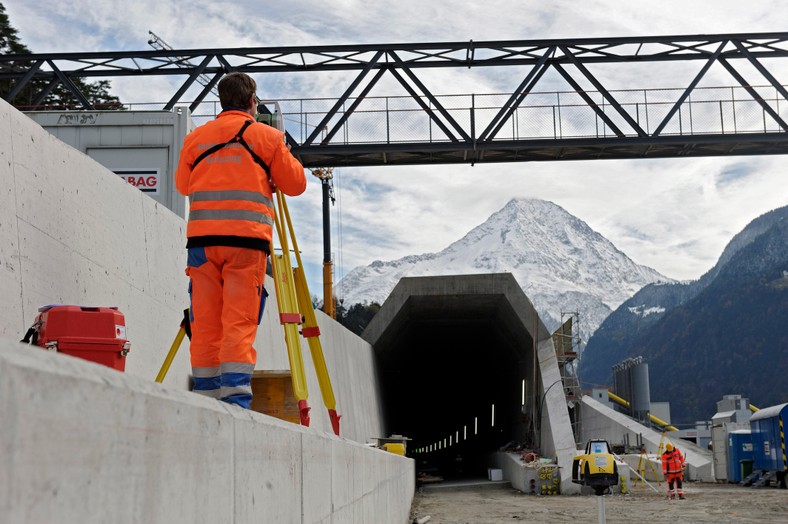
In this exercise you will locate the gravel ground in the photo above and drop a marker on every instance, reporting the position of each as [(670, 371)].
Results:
[(718, 503)]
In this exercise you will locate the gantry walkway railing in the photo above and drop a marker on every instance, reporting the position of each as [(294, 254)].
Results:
[(586, 120)]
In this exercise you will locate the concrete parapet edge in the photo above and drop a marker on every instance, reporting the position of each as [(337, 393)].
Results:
[(81, 442)]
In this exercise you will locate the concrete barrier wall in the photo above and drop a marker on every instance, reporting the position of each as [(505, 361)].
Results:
[(73, 232), (84, 443), (80, 442)]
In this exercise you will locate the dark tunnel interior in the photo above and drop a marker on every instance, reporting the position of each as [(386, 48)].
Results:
[(442, 369)]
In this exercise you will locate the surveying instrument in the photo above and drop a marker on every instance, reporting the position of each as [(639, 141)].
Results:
[(296, 313)]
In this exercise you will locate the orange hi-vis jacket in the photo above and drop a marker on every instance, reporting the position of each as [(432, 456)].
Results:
[(672, 462), (229, 192)]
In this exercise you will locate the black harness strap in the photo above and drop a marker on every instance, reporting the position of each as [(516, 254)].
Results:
[(238, 138)]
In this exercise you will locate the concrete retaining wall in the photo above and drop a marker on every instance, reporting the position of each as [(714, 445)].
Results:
[(73, 232), (80, 442), (89, 444)]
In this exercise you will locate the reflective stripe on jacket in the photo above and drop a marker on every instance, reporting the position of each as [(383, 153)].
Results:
[(229, 193), (672, 462)]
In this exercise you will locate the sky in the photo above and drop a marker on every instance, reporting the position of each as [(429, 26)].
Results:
[(674, 215)]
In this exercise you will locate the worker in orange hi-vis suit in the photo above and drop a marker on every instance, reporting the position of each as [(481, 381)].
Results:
[(229, 168), (673, 468)]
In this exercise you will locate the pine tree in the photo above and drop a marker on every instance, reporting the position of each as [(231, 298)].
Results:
[(97, 93), (358, 317)]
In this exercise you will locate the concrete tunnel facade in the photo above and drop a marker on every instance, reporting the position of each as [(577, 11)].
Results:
[(450, 348)]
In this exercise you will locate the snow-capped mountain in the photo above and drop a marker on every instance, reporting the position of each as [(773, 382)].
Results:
[(561, 264)]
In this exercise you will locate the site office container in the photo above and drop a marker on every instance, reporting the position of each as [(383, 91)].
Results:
[(768, 438), (141, 147), (739, 451)]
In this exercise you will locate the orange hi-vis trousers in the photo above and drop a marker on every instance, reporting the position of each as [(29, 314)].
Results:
[(674, 479), (227, 299)]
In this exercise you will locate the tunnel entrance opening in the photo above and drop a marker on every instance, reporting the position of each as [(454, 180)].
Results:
[(452, 380)]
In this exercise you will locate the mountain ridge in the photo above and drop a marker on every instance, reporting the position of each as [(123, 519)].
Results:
[(722, 334), (560, 262)]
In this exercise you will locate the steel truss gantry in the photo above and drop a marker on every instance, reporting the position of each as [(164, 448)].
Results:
[(588, 121)]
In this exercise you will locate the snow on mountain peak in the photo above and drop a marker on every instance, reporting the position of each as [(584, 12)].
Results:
[(560, 262)]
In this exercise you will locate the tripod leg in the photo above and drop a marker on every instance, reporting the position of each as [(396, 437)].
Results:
[(165, 367), (311, 332), (290, 319)]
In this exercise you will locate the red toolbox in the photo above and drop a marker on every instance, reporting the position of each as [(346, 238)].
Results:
[(97, 334)]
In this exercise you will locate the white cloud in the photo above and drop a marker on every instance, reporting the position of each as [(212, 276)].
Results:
[(674, 215)]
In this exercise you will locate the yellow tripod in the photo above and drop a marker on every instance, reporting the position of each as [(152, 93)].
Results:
[(293, 300), (295, 308), (184, 330), (642, 463)]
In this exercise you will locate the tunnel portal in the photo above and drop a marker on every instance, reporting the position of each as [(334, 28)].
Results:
[(455, 358)]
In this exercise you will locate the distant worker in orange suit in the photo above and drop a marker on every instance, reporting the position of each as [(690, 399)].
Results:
[(229, 169), (673, 468)]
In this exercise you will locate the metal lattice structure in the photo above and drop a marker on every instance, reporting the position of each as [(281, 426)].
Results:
[(587, 121)]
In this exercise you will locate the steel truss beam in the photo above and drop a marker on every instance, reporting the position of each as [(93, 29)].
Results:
[(624, 134)]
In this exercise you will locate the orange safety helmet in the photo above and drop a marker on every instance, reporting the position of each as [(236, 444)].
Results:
[(669, 447)]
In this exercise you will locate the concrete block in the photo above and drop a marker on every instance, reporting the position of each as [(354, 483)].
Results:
[(268, 468), (11, 320), (342, 480), (61, 277), (164, 252), (151, 326), (351, 514), (138, 454), (317, 477), (6, 151)]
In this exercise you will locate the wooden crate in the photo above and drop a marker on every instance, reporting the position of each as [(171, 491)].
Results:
[(272, 394)]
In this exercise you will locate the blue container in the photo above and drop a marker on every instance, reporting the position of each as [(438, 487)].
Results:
[(768, 438), (739, 449)]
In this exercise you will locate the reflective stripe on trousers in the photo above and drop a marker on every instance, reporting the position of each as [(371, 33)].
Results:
[(207, 381), (236, 383), (230, 382)]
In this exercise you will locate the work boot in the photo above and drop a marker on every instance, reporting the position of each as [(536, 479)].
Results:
[(682, 497)]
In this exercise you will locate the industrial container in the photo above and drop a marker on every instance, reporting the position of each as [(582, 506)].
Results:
[(141, 147), (631, 383), (739, 454), (641, 392), (768, 438), (97, 334)]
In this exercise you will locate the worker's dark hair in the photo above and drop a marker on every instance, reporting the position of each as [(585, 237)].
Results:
[(235, 90)]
